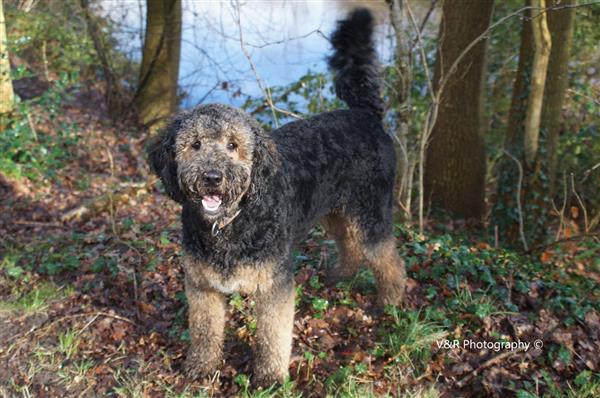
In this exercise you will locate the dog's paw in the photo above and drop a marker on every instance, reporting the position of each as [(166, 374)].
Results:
[(267, 379), (391, 295), (267, 373), (196, 367)]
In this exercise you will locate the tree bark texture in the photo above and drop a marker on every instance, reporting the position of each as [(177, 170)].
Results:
[(156, 98), (6, 88), (455, 157)]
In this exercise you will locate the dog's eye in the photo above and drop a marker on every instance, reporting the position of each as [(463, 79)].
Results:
[(231, 146), (196, 145)]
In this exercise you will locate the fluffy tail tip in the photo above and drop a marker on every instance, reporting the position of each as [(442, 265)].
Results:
[(354, 60)]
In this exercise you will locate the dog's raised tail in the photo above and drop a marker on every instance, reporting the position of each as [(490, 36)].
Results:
[(354, 61)]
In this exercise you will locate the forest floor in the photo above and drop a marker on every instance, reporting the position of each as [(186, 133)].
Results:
[(92, 301)]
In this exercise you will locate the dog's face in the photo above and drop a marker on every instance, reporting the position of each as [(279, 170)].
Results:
[(206, 157)]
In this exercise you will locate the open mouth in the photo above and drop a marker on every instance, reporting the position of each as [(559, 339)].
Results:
[(211, 203)]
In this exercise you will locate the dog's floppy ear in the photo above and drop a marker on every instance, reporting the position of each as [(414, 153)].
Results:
[(161, 154)]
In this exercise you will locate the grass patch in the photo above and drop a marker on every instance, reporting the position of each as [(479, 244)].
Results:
[(68, 342), (408, 339), (352, 387), (286, 390), (37, 299), (480, 305)]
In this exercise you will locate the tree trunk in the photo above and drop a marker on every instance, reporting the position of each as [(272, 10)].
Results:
[(561, 24), (156, 98), (455, 159), (539, 166), (115, 101), (539, 69), (6, 88)]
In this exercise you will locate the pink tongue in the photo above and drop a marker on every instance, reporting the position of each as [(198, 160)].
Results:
[(211, 199)]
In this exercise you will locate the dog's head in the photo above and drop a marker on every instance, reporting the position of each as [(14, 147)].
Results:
[(209, 157)]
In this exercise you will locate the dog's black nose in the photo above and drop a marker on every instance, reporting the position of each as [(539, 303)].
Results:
[(212, 177)]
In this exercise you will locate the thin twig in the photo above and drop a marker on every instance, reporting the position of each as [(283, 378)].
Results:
[(539, 248), (266, 91), (88, 324), (41, 327), (430, 120), (422, 52), (595, 221), (51, 224), (111, 203), (32, 127), (579, 93), (519, 206), (492, 361), (424, 21), (276, 42), (587, 173), (585, 215), (45, 61), (562, 210)]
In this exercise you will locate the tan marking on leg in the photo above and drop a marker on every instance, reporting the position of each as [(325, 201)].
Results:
[(275, 320), (346, 235), (389, 271), (206, 323)]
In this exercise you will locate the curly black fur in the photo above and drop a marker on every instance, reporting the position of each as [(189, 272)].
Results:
[(354, 60), (338, 165)]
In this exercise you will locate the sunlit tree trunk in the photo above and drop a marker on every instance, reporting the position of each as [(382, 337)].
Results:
[(156, 97), (535, 148), (455, 157), (541, 56), (6, 89)]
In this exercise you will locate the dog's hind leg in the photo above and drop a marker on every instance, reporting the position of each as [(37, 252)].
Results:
[(206, 322), (389, 271), (348, 242), (275, 321), (354, 244)]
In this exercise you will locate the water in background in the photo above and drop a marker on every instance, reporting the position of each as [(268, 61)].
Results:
[(284, 39)]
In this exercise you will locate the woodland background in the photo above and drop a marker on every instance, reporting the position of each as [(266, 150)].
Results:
[(494, 107)]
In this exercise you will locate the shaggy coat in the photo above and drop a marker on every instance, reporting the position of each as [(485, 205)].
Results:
[(248, 197)]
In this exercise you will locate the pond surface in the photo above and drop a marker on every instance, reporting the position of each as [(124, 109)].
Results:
[(284, 40)]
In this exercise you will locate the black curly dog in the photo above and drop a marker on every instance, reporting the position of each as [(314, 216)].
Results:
[(248, 197)]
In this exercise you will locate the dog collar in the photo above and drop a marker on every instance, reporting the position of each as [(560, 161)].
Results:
[(217, 226)]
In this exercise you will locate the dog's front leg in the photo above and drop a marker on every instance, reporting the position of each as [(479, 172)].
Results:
[(206, 323), (275, 321)]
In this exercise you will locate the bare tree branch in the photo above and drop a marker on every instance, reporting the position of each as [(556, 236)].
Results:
[(265, 90)]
